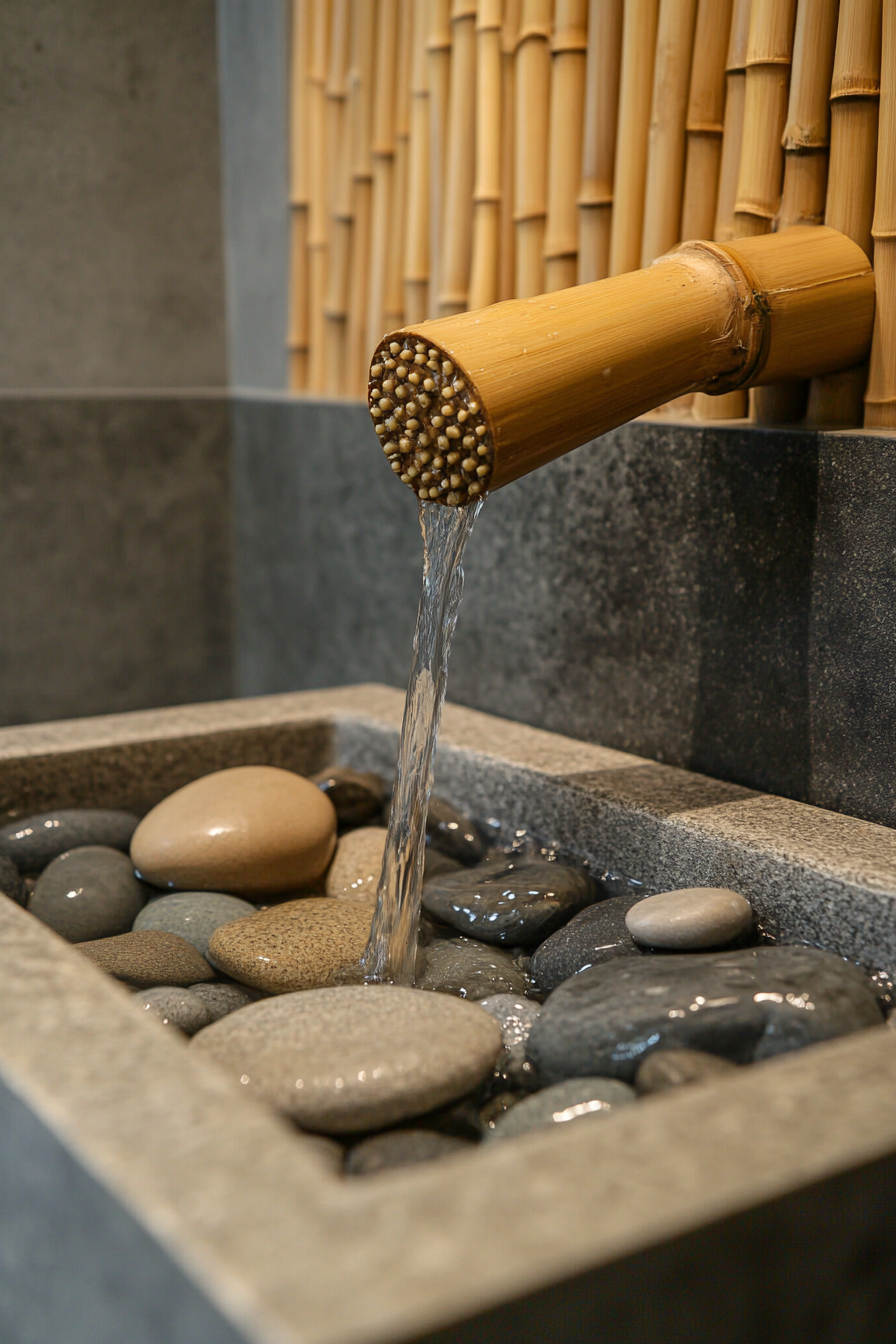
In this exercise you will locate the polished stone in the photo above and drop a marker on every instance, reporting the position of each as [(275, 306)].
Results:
[(11, 883), (298, 945), (193, 914), (356, 795), (516, 1017), (223, 999), (35, 841), (574, 1099), (402, 1148), (450, 832), (663, 1069), (149, 958), (88, 893), (354, 874), (174, 1007), (747, 1005), (469, 969), (515, 905), (356, 1058), (691, 919), (599, 933)]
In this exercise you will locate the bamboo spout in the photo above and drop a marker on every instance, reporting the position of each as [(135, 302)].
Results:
[(466, 404)]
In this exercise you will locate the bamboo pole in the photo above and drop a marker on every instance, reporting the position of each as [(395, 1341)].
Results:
[(533, 91), (569, 46), (319, 191), (335, 369), (705, 120), (382, 153), (460, 162), (484, 275), (880, 399), (635, 94), (297, 332), (394, 257), (360, 115), (769, 54), (837, 401), (666, 141), (599, 140), (507, 242), (438, 68), (416, 252)]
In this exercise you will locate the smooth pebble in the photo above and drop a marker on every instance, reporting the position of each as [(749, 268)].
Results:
[(402, 1148), (516, 1018), (11, 883), (575, 1099), (223, 999), (354, 874), (88, 893), (469, 969), (517, 905), (663, 1069), (597, 934), (174, 1007), (149, 958), (193, 914), (690, 919), (356, 796), (35, 841), (450, 832), (298, 945)]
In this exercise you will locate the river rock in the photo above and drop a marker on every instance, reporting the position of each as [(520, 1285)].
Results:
[(746, 1005), (597, 934), (436, 864), (253, 830), (690, 919), (11, 883), (193, 914), (354, 874), (88, 893), (514, 904), (676, 1068), (469, 969), (402, 1148), (498, 1105), (149, 958), (450, 832), (516, 1018), (356, 1058), (223, 999), (358, 798), (35, 841), (174, 1007), (298, 945), (573, 1099)]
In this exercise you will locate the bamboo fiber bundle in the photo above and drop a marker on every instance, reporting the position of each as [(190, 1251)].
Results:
[(666, 141), (438, 70), (568, 57), (507, 241), (599, 139), (533, 91), (297, 333), (340, 204), (704, 122), (360, 104), (880, 399), (635, 94), (382, 151), (416, 250), (394, 258), (484, 272), (855, 104), (319, 190), (769, 53), (460, 162)]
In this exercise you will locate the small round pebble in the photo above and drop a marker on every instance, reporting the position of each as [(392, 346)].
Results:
[(354, 874), (573, 1099), (452, 833), (469, 969), (149, 958), (222, 999), (11, 883), (357, 1058), (676, 1068), (298, 945), (516, 904), (402, 1148), (357, 797), (193, 914), (174, 1007), (88, 893), (35, 841), (690, 919), (516, 1018)]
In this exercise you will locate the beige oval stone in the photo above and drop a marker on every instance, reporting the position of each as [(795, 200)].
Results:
[(690, 919), (354, 874), (253, 830), (355, 1058), (297, 945)]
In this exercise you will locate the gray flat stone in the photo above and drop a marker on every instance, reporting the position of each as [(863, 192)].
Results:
[(402, 1148), (663, 1069), (516, 1017), (223, 999), (174, 1007), (469, 969), (516, 904), (574, 1099), (35, 841), (595, 935), (88, 893), (193, 915), (745, 1006), (690, 919)]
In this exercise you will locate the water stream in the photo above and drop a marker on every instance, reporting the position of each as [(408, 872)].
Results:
[(392, 949)]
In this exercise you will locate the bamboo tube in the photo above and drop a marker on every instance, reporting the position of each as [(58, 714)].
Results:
[(319, 191), (769, 53), (704, 122), (533, 91), (460, 162), (507, 242), (837, 401), (666, 140), (635, 94), (416, 252), (382, 153), (360, 113), (438, 69), (297, 332), (335, 369), (880, 398), (705, 315), (569, 46), (599, 141), (484, 275), (394, 257)]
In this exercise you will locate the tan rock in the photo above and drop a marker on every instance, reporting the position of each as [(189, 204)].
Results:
[(298, 945), (253, 830), (690, 919), (354, 874), (357, 1058), (148, 957)]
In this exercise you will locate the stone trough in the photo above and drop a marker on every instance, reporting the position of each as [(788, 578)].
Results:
[(143, 1200)]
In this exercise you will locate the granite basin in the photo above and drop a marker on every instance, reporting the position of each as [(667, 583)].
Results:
[(142, 1199)]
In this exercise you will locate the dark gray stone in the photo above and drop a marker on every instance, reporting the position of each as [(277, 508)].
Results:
[(595, 935), (453, 834), (437, 865), (574, 1099), (88, 893), (11, 883), (193, 915), (747, 1005), (469, 969), (35, 841), (179, 1008), (663, 1069), (357, 797), (402, 1148), (513, 904)]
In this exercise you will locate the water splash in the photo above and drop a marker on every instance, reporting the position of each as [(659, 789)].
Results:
[(392, 949)]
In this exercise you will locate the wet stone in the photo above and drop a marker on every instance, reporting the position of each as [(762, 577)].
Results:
[(690, 919), (469, 969), (497, 1106), (174, 1007), (596, 935), (301, 944), (354, 874), (451, 833), (745, 1006), (436, 864), (149, 958), (676, 1068), (11, 883), (354, 1059), (223, 999), (516, 1017), (88, 893), (574, 1099), (193, 914), (357, 797), (35, 841), (402, 1148), (514, 904)]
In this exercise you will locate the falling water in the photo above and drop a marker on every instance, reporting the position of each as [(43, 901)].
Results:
[(392, 949)]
